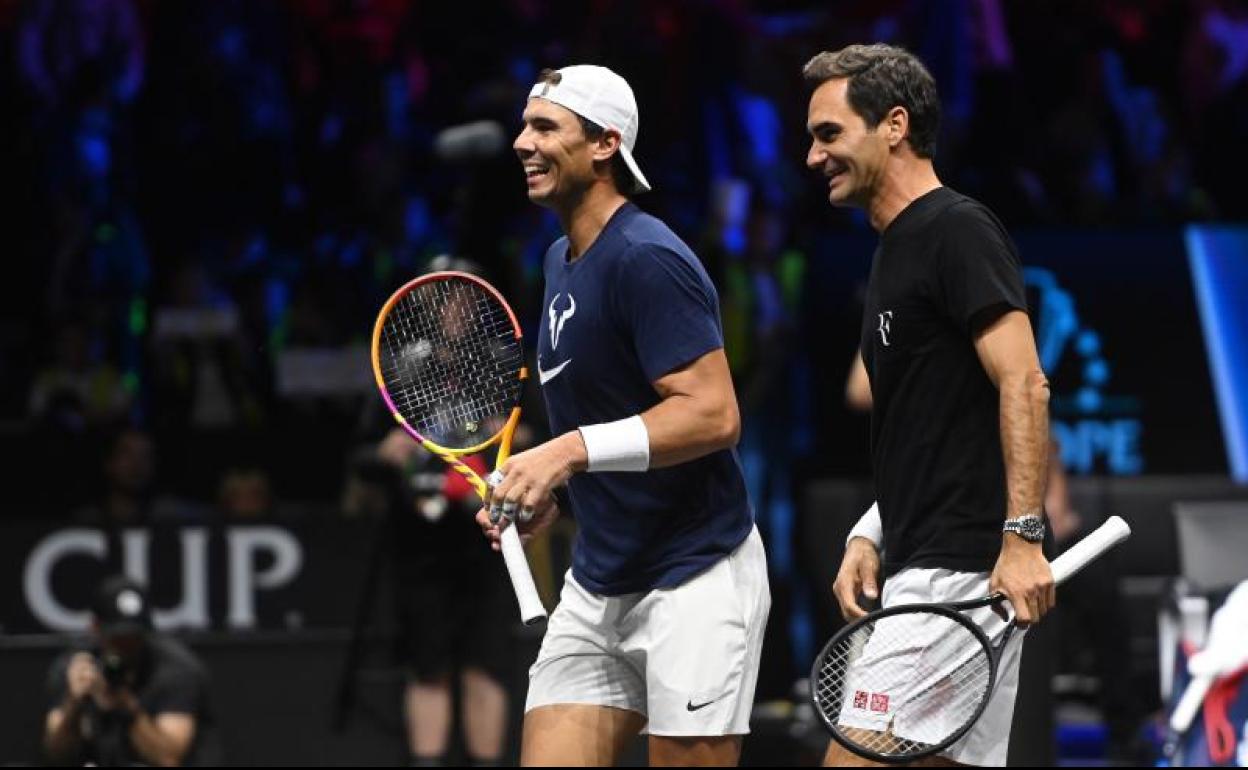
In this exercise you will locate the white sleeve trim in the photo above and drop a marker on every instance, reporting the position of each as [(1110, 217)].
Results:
[(869, 526)]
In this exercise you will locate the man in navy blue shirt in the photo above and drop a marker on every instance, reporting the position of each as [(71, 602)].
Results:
[(661, 618)]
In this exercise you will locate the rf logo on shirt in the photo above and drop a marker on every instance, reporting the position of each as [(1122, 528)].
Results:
[(886, 326)]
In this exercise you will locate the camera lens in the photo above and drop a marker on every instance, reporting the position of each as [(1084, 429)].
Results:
[(113, 668)]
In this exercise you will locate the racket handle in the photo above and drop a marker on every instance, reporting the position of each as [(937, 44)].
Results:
[(1079, 555), (531, 609), (1190, 703)]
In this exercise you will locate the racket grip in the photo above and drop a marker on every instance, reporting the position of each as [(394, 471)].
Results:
[(531, 609), (1190, 703), (1079, 555)]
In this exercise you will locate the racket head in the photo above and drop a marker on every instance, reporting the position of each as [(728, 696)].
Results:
[(904, 682), (448, 360)]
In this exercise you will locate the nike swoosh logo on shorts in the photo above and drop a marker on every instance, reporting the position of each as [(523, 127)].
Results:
[(689, 706), (550, 374)]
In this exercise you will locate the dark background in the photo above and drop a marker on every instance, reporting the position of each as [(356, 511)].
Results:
[(194, 194)]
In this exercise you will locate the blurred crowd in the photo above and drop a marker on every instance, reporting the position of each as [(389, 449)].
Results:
[(209, 200)]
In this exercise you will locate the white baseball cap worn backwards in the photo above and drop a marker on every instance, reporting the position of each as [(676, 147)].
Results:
[(603, 97)]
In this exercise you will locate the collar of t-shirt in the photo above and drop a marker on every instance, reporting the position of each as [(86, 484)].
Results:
[(616, 218), (915, 209)]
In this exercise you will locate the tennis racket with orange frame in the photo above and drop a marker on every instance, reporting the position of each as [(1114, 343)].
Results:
[(449, 362)]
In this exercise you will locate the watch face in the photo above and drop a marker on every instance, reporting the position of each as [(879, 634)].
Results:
[(1031, 528)]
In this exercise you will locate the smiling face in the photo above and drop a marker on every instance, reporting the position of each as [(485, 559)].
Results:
[(849, 153), (558, 158)]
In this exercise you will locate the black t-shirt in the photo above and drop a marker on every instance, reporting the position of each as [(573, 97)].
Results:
[(944, 269), (170, 681)]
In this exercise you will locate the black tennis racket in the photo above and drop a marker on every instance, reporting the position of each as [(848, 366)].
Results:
[(907, 682)]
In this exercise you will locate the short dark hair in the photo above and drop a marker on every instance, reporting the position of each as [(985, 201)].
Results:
[(882, 77), (623, 178), (550, 76)]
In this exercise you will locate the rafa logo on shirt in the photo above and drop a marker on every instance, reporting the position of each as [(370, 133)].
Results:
[(559, 317)]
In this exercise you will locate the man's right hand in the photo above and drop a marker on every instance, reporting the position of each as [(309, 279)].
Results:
[(83, 677), (859, 573)]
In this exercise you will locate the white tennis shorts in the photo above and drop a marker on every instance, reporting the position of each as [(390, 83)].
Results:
[(987, 742), (686, 657)]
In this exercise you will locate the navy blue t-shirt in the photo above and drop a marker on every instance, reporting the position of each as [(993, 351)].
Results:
[(636, 306)]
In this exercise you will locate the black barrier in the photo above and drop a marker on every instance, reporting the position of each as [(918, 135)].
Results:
[(272, 694)]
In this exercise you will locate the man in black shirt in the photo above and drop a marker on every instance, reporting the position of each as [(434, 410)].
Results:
[(135, 697), (959, 428)]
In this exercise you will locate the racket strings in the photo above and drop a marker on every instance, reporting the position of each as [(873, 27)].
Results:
[(450, 359), (904, 683)]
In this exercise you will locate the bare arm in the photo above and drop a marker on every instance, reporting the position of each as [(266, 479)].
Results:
[(858, 386), (696, 416), (1007, 350), (61, 738), (163, 739)]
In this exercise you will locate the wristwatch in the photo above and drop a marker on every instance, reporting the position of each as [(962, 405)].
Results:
[(1029, 527)]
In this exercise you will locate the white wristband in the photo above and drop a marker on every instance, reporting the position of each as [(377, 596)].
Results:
[(623, 445), (869, 526)]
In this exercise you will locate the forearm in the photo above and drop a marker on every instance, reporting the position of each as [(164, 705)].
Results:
[(696, 415), (1025, 441), (676, 430), (61, 739), (152, 742), (684, 428)]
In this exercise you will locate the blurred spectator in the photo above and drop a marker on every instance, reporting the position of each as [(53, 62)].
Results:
[(245, 495), (1214, 90), (131, 696), (761, 296), (81, 51), (291, 150), (204, 373), (76, 389), (82, 62), (128, 497)]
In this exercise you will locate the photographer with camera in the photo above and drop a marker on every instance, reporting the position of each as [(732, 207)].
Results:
[(133, 696)]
